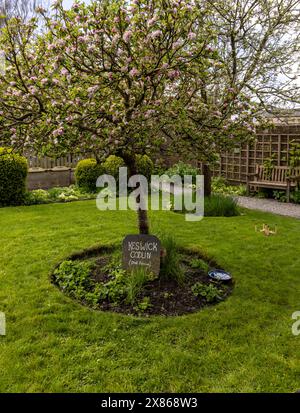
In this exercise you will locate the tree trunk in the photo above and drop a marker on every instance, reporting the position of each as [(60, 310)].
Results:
[(142, 213), (143, 221), (207, 180)]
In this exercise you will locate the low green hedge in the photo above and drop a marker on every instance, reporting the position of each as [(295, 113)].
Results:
[(112, 164), (88, 170), (86, 173), (144, 165), (13, 173)]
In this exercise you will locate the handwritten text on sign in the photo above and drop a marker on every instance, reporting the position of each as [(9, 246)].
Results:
[(141, 251)]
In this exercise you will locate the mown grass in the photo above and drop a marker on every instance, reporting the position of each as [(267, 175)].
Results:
[(53, 344)]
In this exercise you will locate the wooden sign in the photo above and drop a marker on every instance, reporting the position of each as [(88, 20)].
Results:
[(141, 251)]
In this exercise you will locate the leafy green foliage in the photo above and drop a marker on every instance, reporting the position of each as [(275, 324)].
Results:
[(57, 194), (134, 284), (112, 164), (144, 165), (74, 278), (208, 291), (69, 193), (143, 305), (37, 196), (181, 169), (295, 196), (13, 173), (114, 290), (86, 173), (280, 196), (269, 164), (220, 186), (218, 205), (170, 265), (200, 264), (294, 154)]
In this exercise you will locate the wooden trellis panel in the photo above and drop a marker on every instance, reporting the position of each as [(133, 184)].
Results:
[(235, 165)]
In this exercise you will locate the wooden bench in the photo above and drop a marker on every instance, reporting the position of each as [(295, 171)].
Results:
[(277, 177)]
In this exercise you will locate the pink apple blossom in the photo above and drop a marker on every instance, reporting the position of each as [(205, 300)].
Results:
[(134, 72), (192, 36), (64, 72), (58, 132), (173, 74), (127, 36), (155, 34)]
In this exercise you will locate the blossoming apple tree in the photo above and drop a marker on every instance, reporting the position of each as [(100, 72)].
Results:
[(115, 77), (102, 78)]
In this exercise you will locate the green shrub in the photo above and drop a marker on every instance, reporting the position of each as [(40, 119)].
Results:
[(264, 193), (74, 278), (69, 193), (56, 194), (295, 196), (114, 290), (182, 169), (13, 173), (220, 186), (112, 164), (170, 266), (207, 291), (198, 263), (280, 196), (86, 173), (144, 165), (37, 196), (143, 305), (218, 205)]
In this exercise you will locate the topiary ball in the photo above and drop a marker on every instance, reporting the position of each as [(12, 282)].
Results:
[(144, 165), (112, 164), (86, 174)]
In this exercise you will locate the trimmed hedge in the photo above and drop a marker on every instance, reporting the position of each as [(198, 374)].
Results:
[(112, 164), (86, 173), (13, 173), (144, 165), (88, 170)]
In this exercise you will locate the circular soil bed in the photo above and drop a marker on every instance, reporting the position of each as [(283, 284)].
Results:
[(94, 277)]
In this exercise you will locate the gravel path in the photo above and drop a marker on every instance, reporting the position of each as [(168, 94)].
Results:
[(270, 205)]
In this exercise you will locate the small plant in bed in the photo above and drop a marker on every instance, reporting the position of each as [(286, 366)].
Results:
[(216, 205), (97, 279), (210, 292)]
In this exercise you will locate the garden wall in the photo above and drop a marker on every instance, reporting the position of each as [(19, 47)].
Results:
[(39, 178)]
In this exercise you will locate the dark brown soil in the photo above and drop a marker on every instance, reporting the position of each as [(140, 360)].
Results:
[(166, 297)]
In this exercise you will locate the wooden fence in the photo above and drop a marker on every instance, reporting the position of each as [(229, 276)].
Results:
[(68, 161)]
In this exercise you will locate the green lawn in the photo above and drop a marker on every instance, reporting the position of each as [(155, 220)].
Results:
[(55, 345)]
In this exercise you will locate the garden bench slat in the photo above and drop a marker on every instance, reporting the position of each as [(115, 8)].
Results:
[(278, 177)]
